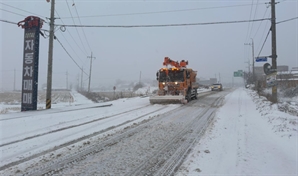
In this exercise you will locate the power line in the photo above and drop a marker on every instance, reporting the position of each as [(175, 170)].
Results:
[(287, 20), (81, 24), (164, 25), (73, 40), (264, 42), (10, 22), (261, 22), (22, 10), (70, 55), (76, 29), (159, 12), (263, 34), (254, 18), (70, 46), (13, 12), (252, 2)]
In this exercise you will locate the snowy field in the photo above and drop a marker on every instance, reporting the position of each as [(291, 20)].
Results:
[(11, 101), (249, 135)]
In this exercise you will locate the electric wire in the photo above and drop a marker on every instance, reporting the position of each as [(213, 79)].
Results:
[(264, 42), (287, 20), (261, 22), (159, 12), (22, 10), (248, 27), (163, 25), (263, 34), (269, 32), (10, 22), (72, 39), (81, 24), (70, 56), (13, 12), (76, 28), (71, 47), (254, 18)]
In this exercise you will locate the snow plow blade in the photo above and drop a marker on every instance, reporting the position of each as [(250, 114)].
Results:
[(167, 99)]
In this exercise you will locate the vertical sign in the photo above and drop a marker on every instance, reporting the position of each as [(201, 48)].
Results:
[(30, 64)]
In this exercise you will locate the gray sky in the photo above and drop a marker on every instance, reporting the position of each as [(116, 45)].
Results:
[(121, 53)]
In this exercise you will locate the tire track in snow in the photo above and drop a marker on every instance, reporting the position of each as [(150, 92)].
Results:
[(80, 139), (71, 126), (61, 163)]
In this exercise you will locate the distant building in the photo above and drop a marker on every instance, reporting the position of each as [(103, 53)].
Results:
[(259, 71), (207, 82), (288, 78), (284, 77)]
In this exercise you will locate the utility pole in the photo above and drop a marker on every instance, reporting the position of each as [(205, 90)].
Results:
[(78, 79), (140, 77), (248, 63), (14, 80), (50, 57), (253, 60), (91, 57), (274, 56), (66, 80), (82, 79)]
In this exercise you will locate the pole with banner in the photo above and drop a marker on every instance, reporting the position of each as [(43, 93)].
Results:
[(32, 26)]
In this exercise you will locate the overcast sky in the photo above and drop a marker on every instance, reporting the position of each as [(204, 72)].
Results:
[(122, 53)]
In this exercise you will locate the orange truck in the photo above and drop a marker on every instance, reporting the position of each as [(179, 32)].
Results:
[(176, 83)]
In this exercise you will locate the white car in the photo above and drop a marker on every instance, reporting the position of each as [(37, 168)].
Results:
[(216, 86)]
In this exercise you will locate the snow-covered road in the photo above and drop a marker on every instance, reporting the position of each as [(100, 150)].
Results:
[(35, 137), (232, 134)]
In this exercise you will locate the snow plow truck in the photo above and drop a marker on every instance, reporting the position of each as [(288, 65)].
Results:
[(176, 83)]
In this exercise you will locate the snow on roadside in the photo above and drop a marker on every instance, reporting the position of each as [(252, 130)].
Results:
[(282, 123), (79, 98), (61, 100), (145, 90), (247, 137)]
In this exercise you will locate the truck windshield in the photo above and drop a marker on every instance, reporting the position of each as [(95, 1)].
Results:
[(173, 76)]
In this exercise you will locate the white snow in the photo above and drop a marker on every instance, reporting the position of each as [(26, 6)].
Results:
[(249, 136)]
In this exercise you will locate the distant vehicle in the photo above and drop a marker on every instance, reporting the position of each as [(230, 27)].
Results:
[(216, 86)]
